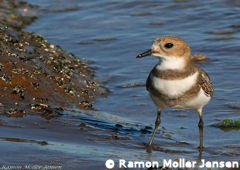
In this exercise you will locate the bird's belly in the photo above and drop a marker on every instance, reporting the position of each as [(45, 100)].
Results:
[(194, 102), (198, 101), (158, 101)]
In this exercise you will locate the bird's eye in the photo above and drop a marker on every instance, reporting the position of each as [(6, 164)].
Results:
[(168, 45)]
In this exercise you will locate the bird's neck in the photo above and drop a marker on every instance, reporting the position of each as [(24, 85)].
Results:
[(173, 63)]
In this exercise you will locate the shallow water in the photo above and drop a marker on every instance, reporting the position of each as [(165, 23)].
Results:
[(111, 33)]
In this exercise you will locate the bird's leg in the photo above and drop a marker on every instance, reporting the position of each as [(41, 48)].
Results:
[(157, 123), (200, 148), (200, 123), (200, 126)]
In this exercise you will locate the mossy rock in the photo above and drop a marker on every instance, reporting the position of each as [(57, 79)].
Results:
[(228, 124)]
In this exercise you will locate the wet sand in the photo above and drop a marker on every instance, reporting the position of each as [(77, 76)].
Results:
[(37, 76)]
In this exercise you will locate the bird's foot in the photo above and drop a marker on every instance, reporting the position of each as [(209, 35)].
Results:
[(149, 148)]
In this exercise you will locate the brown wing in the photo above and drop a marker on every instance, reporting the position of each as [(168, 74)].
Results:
[(205, 83), (148, 82)]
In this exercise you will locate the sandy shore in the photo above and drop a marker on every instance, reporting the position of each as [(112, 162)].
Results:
[(37, 77)]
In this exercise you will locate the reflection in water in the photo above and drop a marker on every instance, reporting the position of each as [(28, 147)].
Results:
[(199, 156), (23, 140), (200, 148)]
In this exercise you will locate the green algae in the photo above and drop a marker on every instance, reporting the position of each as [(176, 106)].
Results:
[(228, 124)]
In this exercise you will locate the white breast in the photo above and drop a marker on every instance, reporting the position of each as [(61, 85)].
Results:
[(174, 88)]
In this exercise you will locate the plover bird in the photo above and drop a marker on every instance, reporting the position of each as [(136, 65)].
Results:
[(176, 82)]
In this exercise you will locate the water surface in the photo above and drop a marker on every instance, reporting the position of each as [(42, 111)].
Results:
[(111, 33)]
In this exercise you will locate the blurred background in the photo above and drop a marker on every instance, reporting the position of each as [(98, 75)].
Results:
[(110, 34)]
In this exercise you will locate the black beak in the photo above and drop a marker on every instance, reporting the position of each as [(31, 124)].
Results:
[(146, 53)]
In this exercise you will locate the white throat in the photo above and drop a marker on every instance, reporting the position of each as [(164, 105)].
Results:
[(171, 63)]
